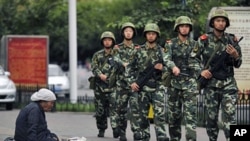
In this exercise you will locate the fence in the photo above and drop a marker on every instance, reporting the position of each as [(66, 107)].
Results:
[(86, 104), (83, 104)]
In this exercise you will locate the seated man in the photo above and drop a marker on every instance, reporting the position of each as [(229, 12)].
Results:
[(31, 122)]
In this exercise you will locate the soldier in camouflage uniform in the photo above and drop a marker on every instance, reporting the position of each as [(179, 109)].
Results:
[(151, 57), (103, 70), (221, 90), (125, 55), (185, 66)]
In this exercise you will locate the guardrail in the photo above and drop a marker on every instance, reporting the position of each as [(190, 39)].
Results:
[(86, 104)]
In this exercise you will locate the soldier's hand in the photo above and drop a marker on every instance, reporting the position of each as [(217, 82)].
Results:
[(176, 71), (158, 66), (206, 74), (134, 87), (103, 77), (232, 51)]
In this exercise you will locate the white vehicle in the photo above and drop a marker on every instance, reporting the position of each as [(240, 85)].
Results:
[(7, 90), (58, 80)]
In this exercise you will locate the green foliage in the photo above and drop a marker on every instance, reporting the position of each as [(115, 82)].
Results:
[(50, 17), (78, 107)]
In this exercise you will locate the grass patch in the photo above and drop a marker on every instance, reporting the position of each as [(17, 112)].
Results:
[(75, 107)]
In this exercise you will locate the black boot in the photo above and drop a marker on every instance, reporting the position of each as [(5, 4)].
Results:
[(163, 139), (101, 133), (123, 137), (137, 136), (116, 132)]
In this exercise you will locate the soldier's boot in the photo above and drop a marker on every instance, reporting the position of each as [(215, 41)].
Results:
[(122, 136), (116, 132), (163, 139), (138, 136), (101, 133)]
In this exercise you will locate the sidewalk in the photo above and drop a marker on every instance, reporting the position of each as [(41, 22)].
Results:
[(71, 124)]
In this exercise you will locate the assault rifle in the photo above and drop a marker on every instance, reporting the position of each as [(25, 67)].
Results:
[(146, 74), (202, 80)]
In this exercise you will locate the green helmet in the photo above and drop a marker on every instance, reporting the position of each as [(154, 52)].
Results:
[(152, 27), (107, 34), (219, 13), (183, 20), (128, 24)]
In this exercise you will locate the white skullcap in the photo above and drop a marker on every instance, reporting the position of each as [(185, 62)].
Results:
[(43, 94)]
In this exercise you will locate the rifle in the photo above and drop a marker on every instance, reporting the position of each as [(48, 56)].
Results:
[(146, 74), (202, 80)]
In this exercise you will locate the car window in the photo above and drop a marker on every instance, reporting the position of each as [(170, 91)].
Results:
[(55, 71)]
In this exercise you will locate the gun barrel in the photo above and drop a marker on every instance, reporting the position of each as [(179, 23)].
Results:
[(184, 74)]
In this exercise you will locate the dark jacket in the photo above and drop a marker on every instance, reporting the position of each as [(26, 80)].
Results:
[(31, 124)]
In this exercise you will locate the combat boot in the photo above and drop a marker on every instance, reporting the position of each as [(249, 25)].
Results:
[(101, 133), (116, 132), (163, 139), (123, 137), (137, 136)]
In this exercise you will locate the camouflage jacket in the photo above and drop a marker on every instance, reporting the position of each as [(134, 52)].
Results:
[(208, 43), (101, 65), (124, 54), (184, 55), (144, 56)]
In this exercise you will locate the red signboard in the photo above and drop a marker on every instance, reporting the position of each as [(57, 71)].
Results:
[(27, 59)]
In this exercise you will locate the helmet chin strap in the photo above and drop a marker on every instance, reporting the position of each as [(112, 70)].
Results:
[(108, 47), (128, 39)]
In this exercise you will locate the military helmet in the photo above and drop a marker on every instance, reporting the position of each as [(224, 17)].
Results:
[(183, 20), (151, 27), (219, 13), (128, 24), (107, 34)]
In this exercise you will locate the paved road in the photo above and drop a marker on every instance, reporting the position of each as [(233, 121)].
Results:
[(71, 124)]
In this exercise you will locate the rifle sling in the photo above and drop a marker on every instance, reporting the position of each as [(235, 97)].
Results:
[(212, 56)]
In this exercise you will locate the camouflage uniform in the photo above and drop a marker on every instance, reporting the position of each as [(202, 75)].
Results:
[(125, 54), (221, 90), (153, 91), (183, 88), (105, 100)]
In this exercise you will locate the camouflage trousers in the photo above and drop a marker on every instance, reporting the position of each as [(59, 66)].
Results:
[(182, 106), (126, 97), (156, 97), (214, 99), (105, 104)]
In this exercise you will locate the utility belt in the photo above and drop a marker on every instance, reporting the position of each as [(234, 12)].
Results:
[(189, 72), (151, 83), (186, 71), (222, 75), (103, 86)]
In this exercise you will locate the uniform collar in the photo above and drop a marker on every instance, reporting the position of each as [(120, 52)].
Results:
[(186, 42), (150, 48)]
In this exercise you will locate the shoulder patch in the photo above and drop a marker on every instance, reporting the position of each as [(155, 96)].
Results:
[(116, 47), (137, 46), (169, 41), (203, 37)]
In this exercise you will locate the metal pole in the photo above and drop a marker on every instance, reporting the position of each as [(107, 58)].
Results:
[(73, 50)]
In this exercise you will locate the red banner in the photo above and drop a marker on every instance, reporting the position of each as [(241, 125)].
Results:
[(27, 60)]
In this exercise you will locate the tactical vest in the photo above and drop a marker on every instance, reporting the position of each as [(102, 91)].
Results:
[(226, 69), (181, 55)]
